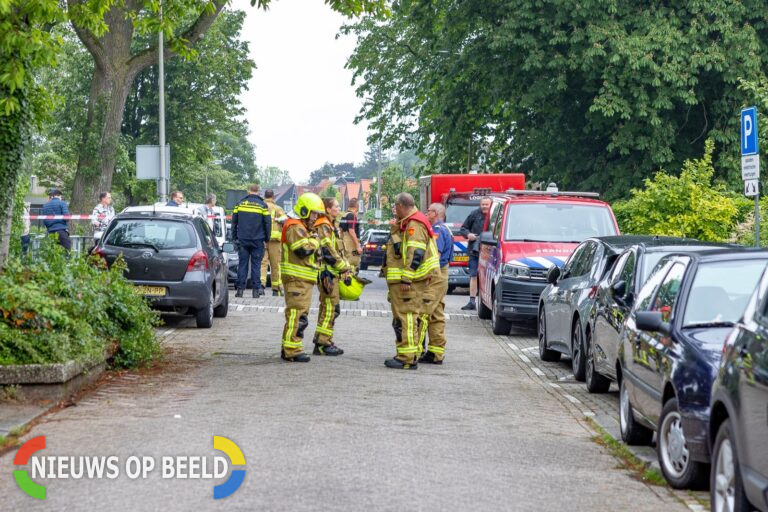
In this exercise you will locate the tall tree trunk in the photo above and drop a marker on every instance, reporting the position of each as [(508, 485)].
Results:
[(14, 133), (115, 69)]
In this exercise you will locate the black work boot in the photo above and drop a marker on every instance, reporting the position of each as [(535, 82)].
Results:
[(327, 350), (399, 365), (470, 305), (239, 292), (300, 358), (429, 357), (275, 293)]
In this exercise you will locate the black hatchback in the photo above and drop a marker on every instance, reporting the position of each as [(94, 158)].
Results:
[(615, 297), (670, 351), (173, 258), (738, 425)]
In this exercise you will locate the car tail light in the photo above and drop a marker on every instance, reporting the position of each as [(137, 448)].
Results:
[(370, 246), (198, 262), (592, 292)]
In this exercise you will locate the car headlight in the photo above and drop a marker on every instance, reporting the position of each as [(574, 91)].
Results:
[(516, 271)]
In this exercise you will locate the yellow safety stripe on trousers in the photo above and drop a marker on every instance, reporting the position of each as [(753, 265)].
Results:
[(326, 327), (305, 273), (436, 350), (287, 340), (423, 330), (275, 235)]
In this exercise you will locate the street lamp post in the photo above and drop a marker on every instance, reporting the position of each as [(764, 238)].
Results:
[(164, 173), (378, 182)]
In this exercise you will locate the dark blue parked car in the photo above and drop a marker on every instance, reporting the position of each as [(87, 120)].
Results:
[(670, 351), (738, 426)]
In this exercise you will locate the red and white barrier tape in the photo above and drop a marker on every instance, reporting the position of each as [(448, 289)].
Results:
[(84, 217)]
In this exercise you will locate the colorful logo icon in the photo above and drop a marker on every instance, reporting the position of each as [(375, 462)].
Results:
[(21, 475), (235, 456)]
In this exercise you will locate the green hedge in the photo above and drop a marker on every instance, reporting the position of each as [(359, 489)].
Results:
[(55, 308)]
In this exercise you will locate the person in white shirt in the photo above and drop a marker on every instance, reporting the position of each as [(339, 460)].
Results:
[(102, 215)]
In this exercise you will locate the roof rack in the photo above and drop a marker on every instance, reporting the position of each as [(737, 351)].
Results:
[(554, 194)]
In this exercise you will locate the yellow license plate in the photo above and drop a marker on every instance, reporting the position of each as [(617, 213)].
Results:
[(155, 291), (463, 257)]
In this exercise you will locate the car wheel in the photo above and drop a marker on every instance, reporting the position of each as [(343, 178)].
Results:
[(596, 383), (677, 465), (204, 315), (451, 288), (545, 354), (727, 488), (578, 362), (632, 432), (499, 324), (222, 309)]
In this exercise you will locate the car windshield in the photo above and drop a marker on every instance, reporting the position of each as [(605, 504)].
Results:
[(457, 213), (557, 222), (378, 238), (155, 233), (720, 291)]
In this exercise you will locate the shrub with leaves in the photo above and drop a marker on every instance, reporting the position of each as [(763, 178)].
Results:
[(57, 308), (689, 205)]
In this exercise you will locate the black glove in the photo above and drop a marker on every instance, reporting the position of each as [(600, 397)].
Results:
[(326, 281)]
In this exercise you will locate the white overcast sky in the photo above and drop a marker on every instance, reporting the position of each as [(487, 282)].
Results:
[(300, 104)]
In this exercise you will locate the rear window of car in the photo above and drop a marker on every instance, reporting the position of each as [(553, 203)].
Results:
[(720, 291), (378, 238), (161, 234), (545, 222)]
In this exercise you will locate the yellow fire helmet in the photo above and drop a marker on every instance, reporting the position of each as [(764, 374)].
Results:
[(308, 203), (352, 290)]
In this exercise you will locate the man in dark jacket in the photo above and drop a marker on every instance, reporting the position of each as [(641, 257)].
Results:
[(471, 229), (59, 227), (251, 228)]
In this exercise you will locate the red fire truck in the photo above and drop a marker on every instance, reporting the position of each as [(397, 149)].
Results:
[(461, 193)]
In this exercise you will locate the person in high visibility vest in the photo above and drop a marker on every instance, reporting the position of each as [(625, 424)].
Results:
[(333, 268), (299, 271), (412, 298), (274, 251)]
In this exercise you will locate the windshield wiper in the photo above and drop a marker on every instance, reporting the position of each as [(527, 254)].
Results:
[(142, 244), (698, 325)]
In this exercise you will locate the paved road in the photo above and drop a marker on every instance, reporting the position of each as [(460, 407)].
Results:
[(482, 432)]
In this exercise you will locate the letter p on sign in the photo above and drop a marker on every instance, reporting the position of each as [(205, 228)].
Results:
[(749, 131)]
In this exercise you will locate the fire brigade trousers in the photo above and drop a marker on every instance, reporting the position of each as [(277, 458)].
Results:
[(298, 298), (272, 257), (433, 319), (407, 310), (329, 311)]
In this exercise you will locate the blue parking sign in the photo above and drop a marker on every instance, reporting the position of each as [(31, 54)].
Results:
[(749, 131)]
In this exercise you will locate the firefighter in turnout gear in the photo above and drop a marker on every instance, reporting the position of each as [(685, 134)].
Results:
[(333, 268), (412, 298), (299, 271), (350, 235), (274, 250)]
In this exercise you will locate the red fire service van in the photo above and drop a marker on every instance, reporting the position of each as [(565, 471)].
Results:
[(526, 233), (461, 193)]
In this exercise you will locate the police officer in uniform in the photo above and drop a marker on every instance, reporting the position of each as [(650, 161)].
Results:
[(420, 264), (251, 227), (433, 322), (333, 268), (274, 250), (299, 271)]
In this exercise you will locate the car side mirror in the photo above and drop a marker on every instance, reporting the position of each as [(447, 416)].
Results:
[(553, 274), (619, 289), (228, 247), (486, 238), (652, 321)]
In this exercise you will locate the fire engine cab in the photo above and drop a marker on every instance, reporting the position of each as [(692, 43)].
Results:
[(526, 233), (461, 194)]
